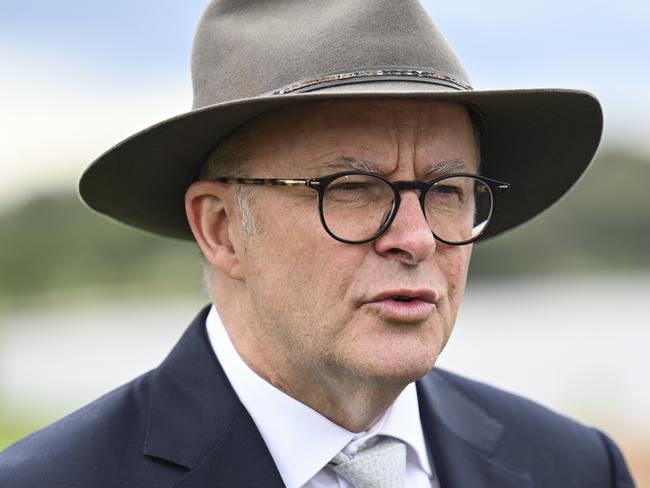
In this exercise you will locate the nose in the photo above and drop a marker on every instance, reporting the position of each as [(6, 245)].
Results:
[(409, 238)]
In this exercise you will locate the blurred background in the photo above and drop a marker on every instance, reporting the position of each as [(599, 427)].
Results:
[(558, 310)]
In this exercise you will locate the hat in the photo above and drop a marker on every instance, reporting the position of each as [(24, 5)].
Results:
[(252, 56)]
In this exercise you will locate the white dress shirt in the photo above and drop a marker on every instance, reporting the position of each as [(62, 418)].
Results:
[(302, 441)]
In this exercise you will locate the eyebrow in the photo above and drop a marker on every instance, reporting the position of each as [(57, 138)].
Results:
[(445, 167), (347, 163)]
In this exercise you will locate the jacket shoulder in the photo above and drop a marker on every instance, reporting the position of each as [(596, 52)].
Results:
[(504, 405), (102, 440), (544, 440)]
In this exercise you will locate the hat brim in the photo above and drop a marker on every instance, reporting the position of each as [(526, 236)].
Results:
[(538, 140)]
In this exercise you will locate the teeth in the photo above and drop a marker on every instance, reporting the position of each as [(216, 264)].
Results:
[(401, 298)]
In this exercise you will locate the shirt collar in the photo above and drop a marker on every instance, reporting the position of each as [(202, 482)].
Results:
[(301, 440)]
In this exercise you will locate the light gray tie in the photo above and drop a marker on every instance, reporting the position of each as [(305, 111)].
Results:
[(380, 463)]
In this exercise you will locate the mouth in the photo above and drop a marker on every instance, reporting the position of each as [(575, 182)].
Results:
[(408, 295), (405, 305), (402, 298)]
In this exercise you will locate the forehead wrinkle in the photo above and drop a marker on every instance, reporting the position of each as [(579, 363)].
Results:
[(348, 163)]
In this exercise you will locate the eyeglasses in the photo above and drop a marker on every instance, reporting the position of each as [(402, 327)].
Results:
[(357, 207)]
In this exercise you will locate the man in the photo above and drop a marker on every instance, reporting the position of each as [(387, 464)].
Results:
[(335, 173)]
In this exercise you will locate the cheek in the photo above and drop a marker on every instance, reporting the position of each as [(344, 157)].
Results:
[(324, 272), (310, 258), (454, 263), (301, 266), (300, 293)]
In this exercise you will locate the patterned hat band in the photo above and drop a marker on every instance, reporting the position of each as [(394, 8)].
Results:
[(376, 74)]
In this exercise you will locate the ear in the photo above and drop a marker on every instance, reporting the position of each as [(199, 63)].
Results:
[(209, 208)]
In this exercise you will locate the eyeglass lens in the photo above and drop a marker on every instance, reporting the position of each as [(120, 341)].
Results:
[(356, 207)]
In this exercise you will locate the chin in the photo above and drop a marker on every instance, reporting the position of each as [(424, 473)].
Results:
[(398, 357), (399, 369)]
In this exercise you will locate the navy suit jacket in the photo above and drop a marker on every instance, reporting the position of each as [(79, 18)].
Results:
[(182, 425)]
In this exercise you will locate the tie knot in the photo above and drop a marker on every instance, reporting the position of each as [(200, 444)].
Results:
[(380, 463)]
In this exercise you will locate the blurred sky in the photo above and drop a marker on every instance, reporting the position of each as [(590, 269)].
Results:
[(76, 77)]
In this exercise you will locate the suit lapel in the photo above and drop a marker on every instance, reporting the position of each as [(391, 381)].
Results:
[(239, 459), (462, 439), (197, 421)]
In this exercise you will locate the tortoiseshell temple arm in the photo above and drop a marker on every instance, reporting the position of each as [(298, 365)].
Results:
[(265, 181), (321, 183)]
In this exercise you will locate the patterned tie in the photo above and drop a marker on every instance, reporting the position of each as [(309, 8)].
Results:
[(380, 463)]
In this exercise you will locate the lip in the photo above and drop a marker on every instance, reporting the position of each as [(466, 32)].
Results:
[(419, 308), (423, 294)]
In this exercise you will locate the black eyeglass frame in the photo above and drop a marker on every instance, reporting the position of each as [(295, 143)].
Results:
[(320, 185)]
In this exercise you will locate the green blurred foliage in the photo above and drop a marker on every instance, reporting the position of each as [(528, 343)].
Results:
[(53, 243), (14, 427)]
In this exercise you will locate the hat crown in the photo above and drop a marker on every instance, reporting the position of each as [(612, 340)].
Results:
[(245, 48)]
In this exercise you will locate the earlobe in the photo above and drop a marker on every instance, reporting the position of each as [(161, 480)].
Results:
[(209, 210)]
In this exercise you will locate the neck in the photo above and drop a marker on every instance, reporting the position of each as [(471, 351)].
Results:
[(349, 401), (352, 405)]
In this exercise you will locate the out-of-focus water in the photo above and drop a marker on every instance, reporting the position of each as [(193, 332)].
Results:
[(578, 345)]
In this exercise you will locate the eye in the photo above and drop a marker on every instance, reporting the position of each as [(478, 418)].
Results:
[(361, 187), (349, 190), (443, 190), (349, 186)]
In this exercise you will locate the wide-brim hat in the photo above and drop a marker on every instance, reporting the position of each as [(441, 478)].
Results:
[(252, 56)]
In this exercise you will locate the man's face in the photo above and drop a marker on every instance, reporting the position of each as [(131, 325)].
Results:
[(323, 309)]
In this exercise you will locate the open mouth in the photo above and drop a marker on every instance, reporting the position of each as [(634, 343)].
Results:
[(401, 298), (415, 307)]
